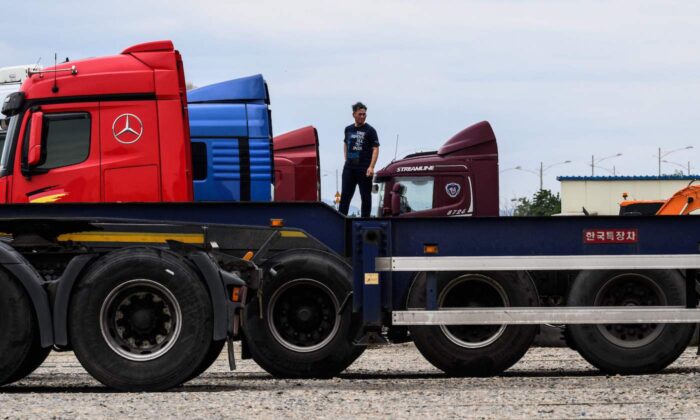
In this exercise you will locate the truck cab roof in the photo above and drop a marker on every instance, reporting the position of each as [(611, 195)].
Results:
[(143, 69), (477, 141), (251, 89)]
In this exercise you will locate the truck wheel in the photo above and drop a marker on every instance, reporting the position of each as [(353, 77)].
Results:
[(18, 330), (141, 320), (212, 354), (474, 350), (303, 333), (35, 357), (629, 348)]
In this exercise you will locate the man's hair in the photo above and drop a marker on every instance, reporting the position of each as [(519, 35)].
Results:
[(359, 106)]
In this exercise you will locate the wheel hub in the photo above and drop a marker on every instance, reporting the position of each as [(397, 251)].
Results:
[(302, 315), (140, 320), (473, 291), (630, 290)]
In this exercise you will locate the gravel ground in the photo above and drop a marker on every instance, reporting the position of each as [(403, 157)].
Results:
[(389, 381)]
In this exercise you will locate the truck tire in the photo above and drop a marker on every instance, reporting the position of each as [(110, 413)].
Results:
[(19, 330), (629, 348), (301, 333), (212, 354), (141, 320), (35, 357), (470, 350)]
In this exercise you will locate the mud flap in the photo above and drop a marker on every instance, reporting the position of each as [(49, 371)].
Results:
[(231, 355)]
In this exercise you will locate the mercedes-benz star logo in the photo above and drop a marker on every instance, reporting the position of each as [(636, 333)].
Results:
[(127, 128)]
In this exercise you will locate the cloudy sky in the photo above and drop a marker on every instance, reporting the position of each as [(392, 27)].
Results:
[(558, 80)]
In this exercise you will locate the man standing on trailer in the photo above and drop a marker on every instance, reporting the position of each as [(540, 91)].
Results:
[(361, 149)]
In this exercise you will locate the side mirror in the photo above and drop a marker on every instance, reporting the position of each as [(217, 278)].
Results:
[(375, 188), (13, 104), (397, 192), (34, 150)]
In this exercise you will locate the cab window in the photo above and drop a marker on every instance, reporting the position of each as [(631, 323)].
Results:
[(66, 140), (199, 161), (418, 195)]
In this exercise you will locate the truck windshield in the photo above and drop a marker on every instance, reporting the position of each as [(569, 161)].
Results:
[(418, 195), (7, 145)]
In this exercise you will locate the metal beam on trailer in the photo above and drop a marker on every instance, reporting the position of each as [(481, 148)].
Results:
[(527, 236), (319, 220), (549, 315), (540, 262)]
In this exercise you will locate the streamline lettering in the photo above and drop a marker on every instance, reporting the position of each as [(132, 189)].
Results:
[(416, 168)]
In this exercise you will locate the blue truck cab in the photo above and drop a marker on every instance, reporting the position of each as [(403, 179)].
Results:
[(231, 134)]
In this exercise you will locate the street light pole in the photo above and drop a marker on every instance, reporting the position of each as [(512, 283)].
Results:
[(668, 153), (542, 170), (594, 161), (680, 165)]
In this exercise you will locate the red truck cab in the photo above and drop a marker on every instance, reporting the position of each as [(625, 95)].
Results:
[(459, 179), (92, 130), (297, 167)]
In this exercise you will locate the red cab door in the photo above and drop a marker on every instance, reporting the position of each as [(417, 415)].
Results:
[(131, 151), (69, 167)]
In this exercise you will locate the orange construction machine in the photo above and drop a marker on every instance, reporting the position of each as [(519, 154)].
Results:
[(683, 202)]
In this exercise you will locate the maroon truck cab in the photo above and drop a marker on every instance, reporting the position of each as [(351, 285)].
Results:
[(297, 169), (459, 179), (106, 129)]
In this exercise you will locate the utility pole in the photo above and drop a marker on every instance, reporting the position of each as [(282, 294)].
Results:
[(541, 172)]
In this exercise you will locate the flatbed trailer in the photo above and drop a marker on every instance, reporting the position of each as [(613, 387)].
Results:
[(469, 290), (146, 294)]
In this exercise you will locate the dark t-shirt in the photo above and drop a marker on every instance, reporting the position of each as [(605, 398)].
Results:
[(359, 142)]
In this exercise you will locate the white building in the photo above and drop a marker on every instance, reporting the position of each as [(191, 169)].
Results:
[(602, 194)]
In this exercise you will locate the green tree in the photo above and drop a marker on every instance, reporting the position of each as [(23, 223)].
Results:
[(543, 203)]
